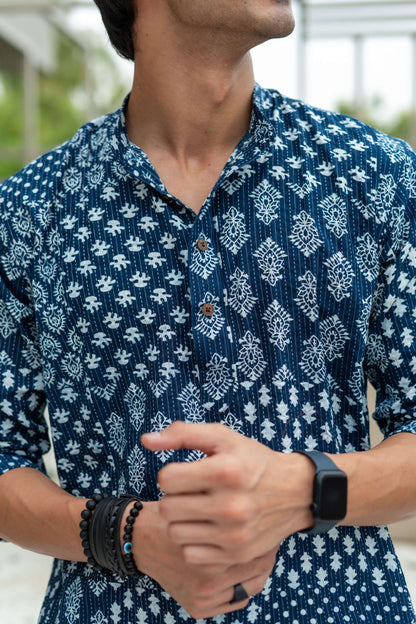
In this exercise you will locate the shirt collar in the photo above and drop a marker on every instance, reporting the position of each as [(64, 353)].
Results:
[(258, 138), (261, 126)]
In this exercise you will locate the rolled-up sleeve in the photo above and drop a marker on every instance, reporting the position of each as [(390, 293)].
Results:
[(23, 431), (390, 362)]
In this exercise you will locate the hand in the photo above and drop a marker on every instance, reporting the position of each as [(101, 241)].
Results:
[(237, 504), (203, 591)]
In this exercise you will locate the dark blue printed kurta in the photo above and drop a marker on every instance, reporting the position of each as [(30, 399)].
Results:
[(309, 270)]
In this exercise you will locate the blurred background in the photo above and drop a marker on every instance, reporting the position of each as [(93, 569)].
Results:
[(58, 70)]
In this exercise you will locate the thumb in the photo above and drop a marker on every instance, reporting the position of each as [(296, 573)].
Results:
[(210, 438)]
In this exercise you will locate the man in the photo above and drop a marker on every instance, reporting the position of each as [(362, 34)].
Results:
[(224, 268)]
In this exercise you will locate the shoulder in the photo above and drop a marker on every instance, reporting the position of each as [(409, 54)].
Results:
[(341, 133), (58, 171)]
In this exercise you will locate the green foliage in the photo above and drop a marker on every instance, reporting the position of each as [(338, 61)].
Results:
[(59, 117), (11, 124), (403, 126), (63, 101), (9, 167)]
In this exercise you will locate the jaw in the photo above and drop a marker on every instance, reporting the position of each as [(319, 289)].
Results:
[(232, 26)]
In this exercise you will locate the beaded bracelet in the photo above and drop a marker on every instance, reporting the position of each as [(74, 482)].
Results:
[(84, 525), (127, 540)]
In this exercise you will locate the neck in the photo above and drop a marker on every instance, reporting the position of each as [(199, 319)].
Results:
[(187, 102)]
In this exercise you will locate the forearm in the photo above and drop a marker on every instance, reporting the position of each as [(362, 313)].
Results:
[(381, 482), (38, 515)]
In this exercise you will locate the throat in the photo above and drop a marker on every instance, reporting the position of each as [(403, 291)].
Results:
[(192, 193), (190, 186)]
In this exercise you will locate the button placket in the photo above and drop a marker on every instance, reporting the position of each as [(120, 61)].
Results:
[(209, 326)]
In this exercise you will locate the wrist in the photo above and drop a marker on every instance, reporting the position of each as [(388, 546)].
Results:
[(140, 536), (304, 472), (291, 485), (101, 526), (74, 507)]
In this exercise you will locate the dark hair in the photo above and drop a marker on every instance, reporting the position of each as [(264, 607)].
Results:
[(118, 17)]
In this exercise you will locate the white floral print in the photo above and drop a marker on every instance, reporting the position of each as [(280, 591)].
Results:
[(270, 258), (305, 234)]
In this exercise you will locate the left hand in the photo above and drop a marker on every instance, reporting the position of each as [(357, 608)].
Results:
[(236, 504)]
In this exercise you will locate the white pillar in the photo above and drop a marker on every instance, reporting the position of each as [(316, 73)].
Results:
[(358, 75), (413, 126), (91, 111), (30, 110), (301, 50)]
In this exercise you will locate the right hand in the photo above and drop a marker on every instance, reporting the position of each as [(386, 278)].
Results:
[(202, 590)]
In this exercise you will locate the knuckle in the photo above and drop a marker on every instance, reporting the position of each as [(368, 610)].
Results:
[(241, 557), (162, 477), (231, 472), (238, 509), (258, 585), (265, 564), (177, 425), (220, 428), (204, 589), (193, 612), (164, 506), (173, 532), (239, 537)]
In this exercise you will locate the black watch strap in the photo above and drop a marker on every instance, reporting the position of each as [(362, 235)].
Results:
[(325, 466), (321, 461)]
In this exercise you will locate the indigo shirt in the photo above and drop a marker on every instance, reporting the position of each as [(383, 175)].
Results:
[(123, 311)]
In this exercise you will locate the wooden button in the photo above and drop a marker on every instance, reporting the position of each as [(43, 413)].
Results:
[(207, 309), (202, 244)]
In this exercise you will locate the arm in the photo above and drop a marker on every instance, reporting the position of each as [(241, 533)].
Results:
[(38, 515), (382, 484)]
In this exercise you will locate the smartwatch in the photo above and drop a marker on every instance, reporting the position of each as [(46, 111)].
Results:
[(330, 487)]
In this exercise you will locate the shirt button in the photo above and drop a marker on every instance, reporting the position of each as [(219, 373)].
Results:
[(207, 309), (202, 244)]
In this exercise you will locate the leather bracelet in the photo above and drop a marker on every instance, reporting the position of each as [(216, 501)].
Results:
[(100, 533)]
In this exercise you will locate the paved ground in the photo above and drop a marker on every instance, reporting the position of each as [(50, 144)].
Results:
[(23, 578)]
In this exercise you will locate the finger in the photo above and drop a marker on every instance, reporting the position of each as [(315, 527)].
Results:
[(252, 584), (182, 533), (189, 508), (223, 508), (223, 600), (209, 438), (207, 534), (206, 609), (205, 475), (210, 554)]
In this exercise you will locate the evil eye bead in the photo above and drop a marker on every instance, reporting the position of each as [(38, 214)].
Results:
[(128, 547)]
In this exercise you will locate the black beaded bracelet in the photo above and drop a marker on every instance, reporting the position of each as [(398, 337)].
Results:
[(84, 525), (127, 540)]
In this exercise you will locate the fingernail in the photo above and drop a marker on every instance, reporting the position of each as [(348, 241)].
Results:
[(155, 435)]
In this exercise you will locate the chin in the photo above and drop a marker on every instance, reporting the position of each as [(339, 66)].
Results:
[(279, 27)]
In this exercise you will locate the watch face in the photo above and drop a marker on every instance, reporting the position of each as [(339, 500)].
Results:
[(332, 503)]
